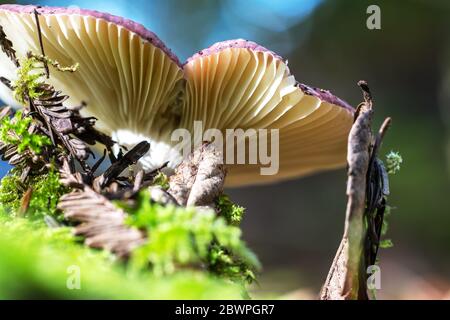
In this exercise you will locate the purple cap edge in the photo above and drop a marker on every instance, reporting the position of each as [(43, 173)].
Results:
[(325, 95), (236, 43), (130, 25)]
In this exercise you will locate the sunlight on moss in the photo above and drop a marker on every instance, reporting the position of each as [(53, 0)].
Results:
[(46, 191), (161, 180), (10, 191), (393, 162), (189, 238), (229, 210), (29, 83), (15, 131), (34, 262), (28, 80)]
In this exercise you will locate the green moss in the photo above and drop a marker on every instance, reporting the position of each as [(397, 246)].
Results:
[(15, 131), (224, 263), (29, 83), (45, 195), (386, 244), (35, 263), (161, 180), (29, 80), (180, 238), (393, 162), (232, 213), (189, 253), (10, 191), (47, 190)]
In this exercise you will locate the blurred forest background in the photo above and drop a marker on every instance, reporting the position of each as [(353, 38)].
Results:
[(295, 226)]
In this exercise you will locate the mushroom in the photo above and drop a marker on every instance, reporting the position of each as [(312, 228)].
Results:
[(139, 90)]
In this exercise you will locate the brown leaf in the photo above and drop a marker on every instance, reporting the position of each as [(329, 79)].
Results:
[(102, 223), (131, 157), (199, 179), (7, 47), (68, 178)]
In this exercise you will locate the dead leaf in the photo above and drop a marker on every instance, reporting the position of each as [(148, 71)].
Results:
[(102, 223), (199, 179)]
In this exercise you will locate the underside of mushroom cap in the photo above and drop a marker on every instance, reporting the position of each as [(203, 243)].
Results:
[(125, 71), (127, 77), (249, 87), (138, 89)]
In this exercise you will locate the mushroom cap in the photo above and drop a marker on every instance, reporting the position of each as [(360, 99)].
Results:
[(251, 87), (126, 76), (139, 90)]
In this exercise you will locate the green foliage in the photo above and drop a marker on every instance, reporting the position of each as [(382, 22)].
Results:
[(34, 262), (192, 254), (162, 180), (232, 213), (10, 193), (188, 238), (385, 226), (29, 83), (29, 80), (223, 263), (45, 195), (47, 190), (386, 244), (393, 162), (15, 131)]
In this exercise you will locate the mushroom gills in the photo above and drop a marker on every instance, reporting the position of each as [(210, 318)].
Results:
[(254, 89), (127, 82)]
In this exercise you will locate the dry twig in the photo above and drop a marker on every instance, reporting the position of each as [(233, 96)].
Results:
[(359, 245)]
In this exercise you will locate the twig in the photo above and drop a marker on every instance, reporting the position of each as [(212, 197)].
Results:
[(365, 189), (41, 43), (131, 157)]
